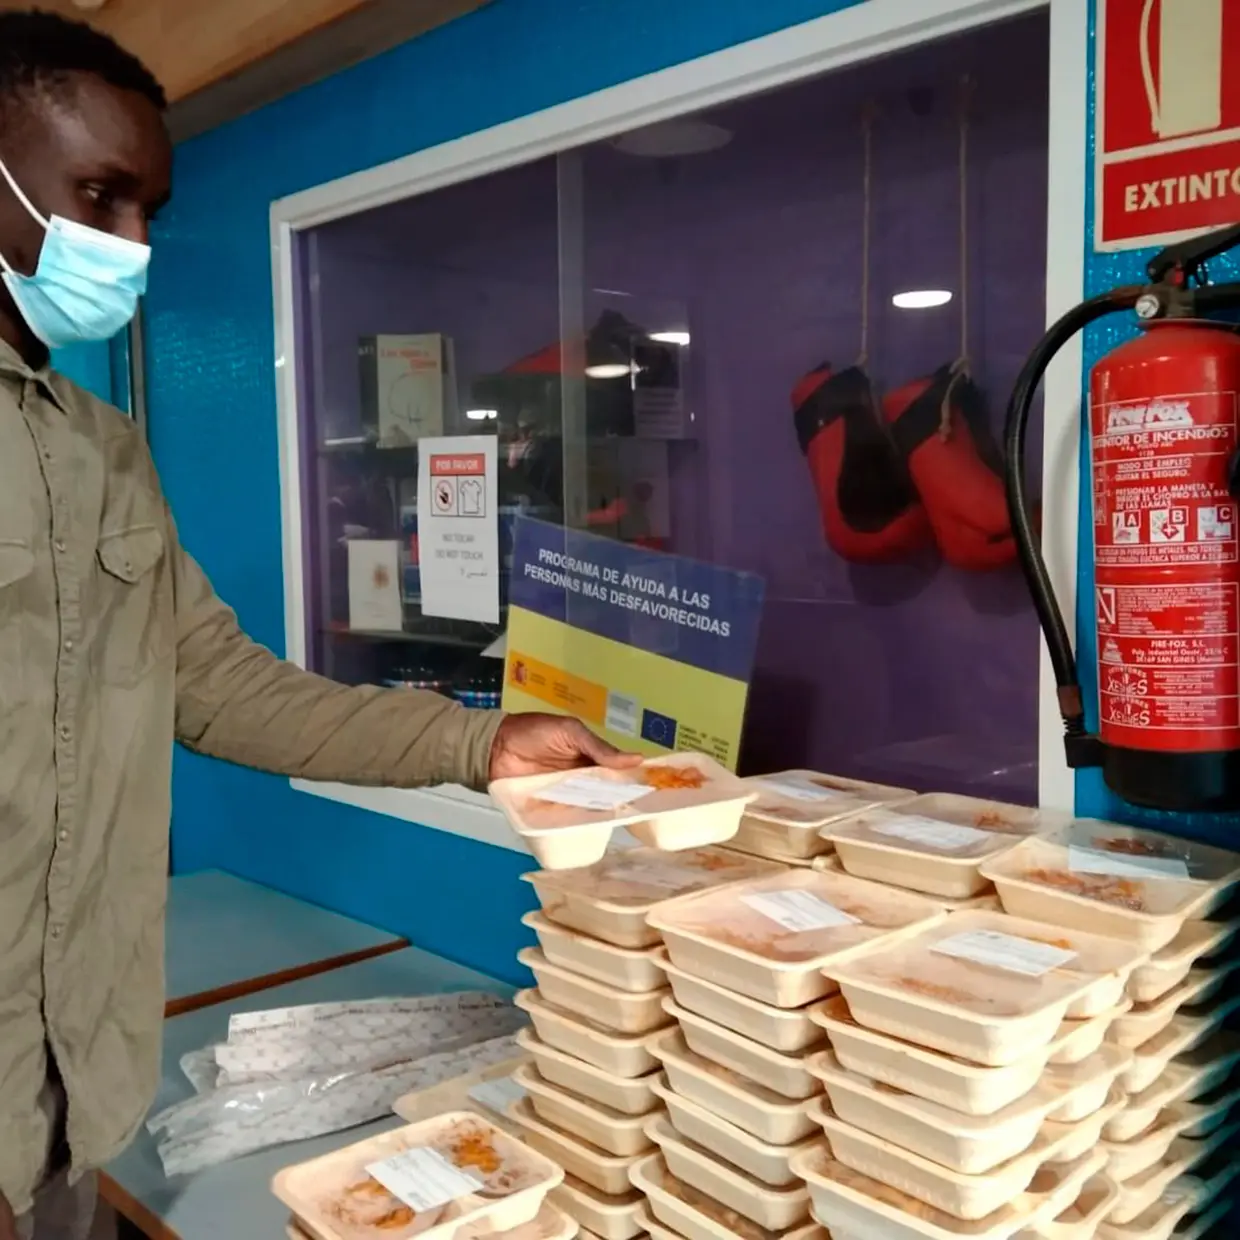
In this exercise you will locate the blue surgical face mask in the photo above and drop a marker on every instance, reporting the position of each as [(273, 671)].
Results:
[(87, 284)]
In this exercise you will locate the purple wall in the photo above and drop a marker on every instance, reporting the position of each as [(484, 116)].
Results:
[(918, 673)]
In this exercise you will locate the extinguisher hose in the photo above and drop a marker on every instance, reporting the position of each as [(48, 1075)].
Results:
[(1028, 544)]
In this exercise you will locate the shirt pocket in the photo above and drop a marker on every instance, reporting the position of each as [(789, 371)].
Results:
[(16, 565), (135, 634)]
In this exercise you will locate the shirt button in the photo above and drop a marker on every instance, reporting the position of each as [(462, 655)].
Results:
[(68, 643), (56, 931), (62, 835), (65, 731), (60, 545)]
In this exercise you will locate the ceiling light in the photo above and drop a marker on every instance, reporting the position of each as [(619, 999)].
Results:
[(672, 138), (482, 415), (680, 338), (921, 299), (610, 370)]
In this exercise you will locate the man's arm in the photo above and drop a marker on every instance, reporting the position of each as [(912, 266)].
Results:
[(239, 702)]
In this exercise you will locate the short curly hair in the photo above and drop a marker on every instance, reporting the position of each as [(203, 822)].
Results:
[(42, 52)]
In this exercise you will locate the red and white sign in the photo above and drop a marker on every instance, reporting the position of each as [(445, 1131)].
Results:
[(1168, 120)]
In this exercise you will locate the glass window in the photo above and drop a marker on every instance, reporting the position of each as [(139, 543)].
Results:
[(777, 336)]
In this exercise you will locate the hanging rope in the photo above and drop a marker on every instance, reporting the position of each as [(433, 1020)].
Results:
[(868, 114), (960, 369)]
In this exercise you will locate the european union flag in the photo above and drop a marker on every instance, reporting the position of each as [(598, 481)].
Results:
[(658, 729)]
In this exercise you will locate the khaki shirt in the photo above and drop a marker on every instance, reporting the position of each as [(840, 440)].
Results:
[(112, 643)]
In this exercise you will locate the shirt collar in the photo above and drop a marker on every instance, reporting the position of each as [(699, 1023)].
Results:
[(11, 363)]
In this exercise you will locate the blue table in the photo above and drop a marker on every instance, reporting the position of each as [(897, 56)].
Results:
[(233, 1201), (228, 937)]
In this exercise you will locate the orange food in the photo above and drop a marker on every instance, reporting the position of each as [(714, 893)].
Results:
[(935, 990), (1133, 848), (669, 778), (990, 818), (474, 1150), (368, 1204), (1124, 892)]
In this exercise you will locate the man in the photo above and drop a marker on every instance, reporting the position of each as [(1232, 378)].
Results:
[(112, 643)]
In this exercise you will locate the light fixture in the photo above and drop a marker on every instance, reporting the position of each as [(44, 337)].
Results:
[(669, 139), (680, 338), (921, 299), (482, 415), (610, 370)]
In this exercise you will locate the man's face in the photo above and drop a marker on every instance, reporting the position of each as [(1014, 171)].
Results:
[(88, 152)]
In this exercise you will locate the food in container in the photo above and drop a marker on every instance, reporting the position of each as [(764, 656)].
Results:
[(1186, 1032), (1080, 1220), (429, 1179), (628, 1095), (605, 1173), (551, 1224), (968, 1197), (770, 938), (626, 1055), (1076, 1138), (782, 1029), (609, 1218), (1170, 965), (683, 801), (622, 967), (683, 1211), (610, 899), (1147, 1020), (1193, 1076), (792, 806), (785, 1075), (618, 1134), (983, 986), (623, 1011), (1137, 1194), (933, 844), (766, 1163), (775, 1209), (856, 1207), (1126, 882), (971, 1145), (760, 1112)]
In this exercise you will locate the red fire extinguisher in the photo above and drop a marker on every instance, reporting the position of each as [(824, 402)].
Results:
[(1165, 475)]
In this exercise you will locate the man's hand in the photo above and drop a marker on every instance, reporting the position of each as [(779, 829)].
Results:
[(531, 744), (8, 1224)]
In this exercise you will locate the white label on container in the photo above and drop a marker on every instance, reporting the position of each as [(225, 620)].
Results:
[(423, 1179), (1005, 951), (497, 1095), (798, 911), (1124, 865), (587, 792), (801, 790), (931, 833)]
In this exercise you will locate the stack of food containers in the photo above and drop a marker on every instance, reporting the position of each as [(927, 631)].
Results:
[(1151, 890), (600, 987), (745, 963)]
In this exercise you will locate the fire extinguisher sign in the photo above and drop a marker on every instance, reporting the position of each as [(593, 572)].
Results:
[(1164, 524), (1167, 160)]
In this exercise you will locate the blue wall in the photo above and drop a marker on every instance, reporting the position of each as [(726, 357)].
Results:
[(212, 406), (1102, 272)]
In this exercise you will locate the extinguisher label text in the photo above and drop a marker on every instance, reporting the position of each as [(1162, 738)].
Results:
[(1160, 481)]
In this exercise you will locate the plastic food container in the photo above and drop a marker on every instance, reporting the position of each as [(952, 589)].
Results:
[(684, 801), (766, 1163), (971, 1145), (785, 1075), (1076, 1139), (1141, 1192), (1089, 1085), (1162, 1221), (1077, 1040), (551, 1224), (1170, 965), (628, 1095), (622, 967), (609, 1218), (1125, 882), (761, 1113), (855, 1207), (1147, 1020), (1196, 1075), (676, 1209), (1080, 1220), (618, 1134), (1182, 1119), (610, 900), (464, 1093), (1185, 1033), (984, 986), (968, 1197), (770, 938), (626, 1055), (932, 844), (782, 1029), (605, 1173), (775, 1209), (792, 806), (341, 1196), (623, 1011)]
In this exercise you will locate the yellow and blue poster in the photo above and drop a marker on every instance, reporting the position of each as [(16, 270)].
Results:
[(654, 651)]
